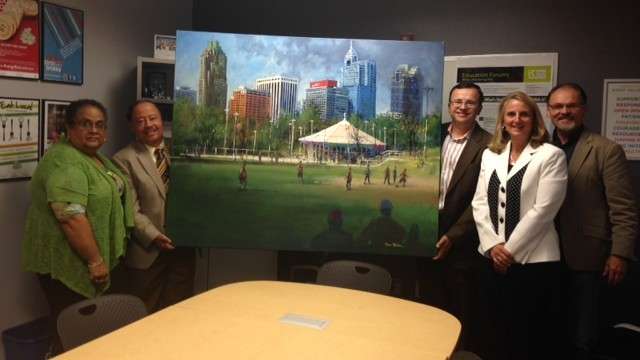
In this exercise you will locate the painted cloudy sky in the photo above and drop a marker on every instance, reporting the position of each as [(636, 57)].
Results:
[(250, 57)]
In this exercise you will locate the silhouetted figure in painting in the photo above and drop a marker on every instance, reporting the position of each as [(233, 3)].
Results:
[(383, 231), (334, 238)]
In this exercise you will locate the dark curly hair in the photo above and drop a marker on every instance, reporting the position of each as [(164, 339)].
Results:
[(74, 108)]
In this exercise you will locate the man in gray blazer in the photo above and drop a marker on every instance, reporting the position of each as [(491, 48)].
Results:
[(457, 259), (160, 274), (598, 222)]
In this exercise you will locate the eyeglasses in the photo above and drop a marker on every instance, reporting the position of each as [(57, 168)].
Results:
[(467, 104), (569, 107), (88, 125)]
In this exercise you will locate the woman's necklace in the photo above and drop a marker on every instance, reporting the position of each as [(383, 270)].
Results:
[(513, 158)]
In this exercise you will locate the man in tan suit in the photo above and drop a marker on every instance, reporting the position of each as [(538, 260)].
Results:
[(457, 258), (598, 222), (160, 274)]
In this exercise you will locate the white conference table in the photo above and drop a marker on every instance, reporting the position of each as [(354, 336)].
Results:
[(243, 321)]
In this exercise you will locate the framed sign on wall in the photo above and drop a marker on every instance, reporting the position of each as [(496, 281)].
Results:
[(621, 114), (62, 44), (19, 141), (164, 47), (53, 112), (19, 39)]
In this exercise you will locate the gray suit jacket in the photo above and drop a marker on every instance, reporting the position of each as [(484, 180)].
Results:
[(149, 195), (599, 216)]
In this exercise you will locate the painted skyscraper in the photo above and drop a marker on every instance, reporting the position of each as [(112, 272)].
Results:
[(331, 101), (406, 92), (359, 78), (251, 106), (212, 83), (284, 94)]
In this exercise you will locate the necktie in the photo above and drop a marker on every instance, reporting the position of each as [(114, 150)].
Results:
[(163, 166)]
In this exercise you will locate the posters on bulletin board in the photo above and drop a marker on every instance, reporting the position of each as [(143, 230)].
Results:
[(498, 75), (19, 39), (621, 114), (62, 44)]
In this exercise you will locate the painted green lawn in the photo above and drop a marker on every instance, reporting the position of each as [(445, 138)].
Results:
[(276, 211)]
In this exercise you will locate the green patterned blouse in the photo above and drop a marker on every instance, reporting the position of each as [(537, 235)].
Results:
[(67, 175)]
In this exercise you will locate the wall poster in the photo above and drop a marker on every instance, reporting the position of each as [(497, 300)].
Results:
[(164, 47), (498, 75), (19, 39), (294, 143), (19, 141), (621, 114), (62, 44), (52, 122)]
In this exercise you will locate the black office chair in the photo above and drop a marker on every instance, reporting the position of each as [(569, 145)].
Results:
[(355, 275), (89, 319), (303, 273), (464, 355), (619, 342)]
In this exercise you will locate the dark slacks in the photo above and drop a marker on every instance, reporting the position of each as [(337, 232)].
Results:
[(528, 302), (169, 280), (463, 289), (585, 288)]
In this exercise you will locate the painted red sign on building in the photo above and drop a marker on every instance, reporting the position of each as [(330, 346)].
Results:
[(323, 84)]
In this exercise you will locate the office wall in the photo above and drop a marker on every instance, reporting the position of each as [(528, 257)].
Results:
[(594, 41), (116, 32)]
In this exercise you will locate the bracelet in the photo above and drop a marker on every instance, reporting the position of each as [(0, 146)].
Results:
[(92, 265)]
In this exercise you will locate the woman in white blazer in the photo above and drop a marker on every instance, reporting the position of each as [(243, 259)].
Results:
[(520, 189)]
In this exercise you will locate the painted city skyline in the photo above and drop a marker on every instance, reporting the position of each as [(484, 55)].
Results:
[(289, 143), (251, 57)]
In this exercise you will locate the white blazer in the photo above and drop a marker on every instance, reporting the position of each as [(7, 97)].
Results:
[(535, 187)]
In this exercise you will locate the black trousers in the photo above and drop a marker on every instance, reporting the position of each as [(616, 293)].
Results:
[(169, 280), (528, 300), (463, 288)]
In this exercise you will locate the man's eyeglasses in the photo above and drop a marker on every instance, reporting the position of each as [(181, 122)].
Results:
[(569, 107), (88, 125), (467, 104)]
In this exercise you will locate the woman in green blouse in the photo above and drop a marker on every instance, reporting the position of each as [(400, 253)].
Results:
[(80, 213)]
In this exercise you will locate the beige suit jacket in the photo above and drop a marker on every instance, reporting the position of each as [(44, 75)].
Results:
[(599, 216), (149, 195)]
